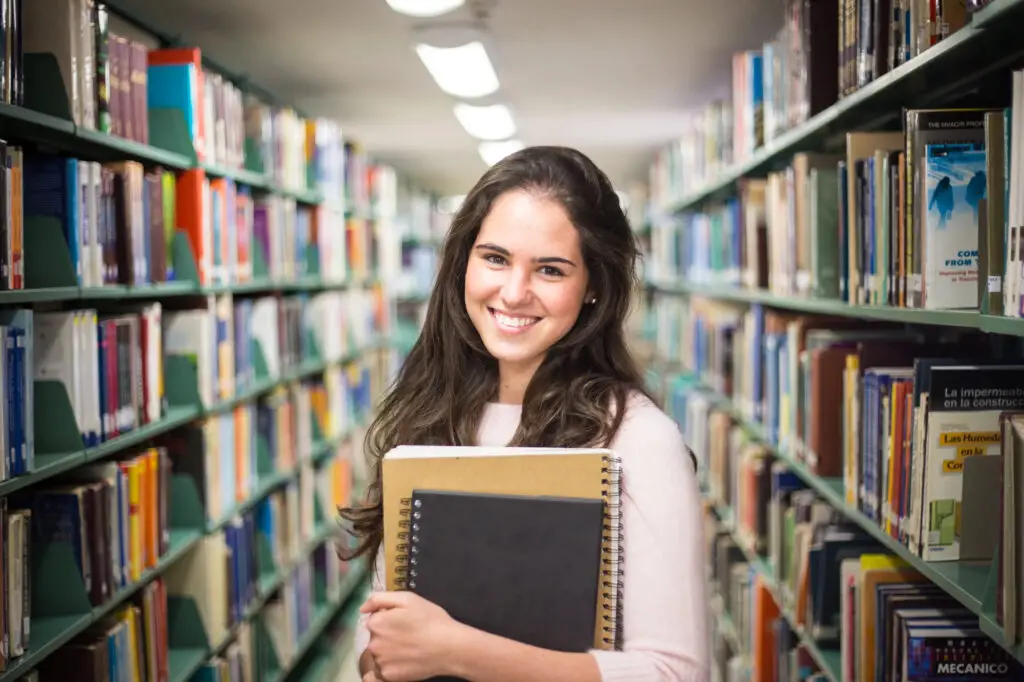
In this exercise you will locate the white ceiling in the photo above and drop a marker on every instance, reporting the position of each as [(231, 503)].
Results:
[(611, 77)]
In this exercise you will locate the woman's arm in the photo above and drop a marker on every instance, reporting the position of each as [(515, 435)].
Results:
[(665, 603), (482, 657)]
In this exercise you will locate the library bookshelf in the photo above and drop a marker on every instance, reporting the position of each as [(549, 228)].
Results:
[(197, 325), (795, 318)]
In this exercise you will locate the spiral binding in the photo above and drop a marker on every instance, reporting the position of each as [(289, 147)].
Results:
[(406, 550), (612, 554)]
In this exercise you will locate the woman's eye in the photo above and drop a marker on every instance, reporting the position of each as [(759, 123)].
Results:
[(550, 271), (494, 259)]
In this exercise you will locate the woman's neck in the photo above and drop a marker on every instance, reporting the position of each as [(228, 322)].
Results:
[(513, 380)]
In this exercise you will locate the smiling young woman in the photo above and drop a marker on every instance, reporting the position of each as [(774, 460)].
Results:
[(524, 344)]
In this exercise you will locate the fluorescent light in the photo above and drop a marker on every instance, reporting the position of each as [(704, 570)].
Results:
[(492, 122), (463, 71), (493, 152), (424, 8)]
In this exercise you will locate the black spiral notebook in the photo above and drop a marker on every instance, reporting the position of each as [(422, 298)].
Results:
[(522, 567)]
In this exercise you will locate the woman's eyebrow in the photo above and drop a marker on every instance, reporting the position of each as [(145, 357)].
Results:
[(505, 252)]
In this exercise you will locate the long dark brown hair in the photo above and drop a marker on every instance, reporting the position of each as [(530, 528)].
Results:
[(442, 388)]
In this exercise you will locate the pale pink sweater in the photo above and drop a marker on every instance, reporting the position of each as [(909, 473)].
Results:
[(665, 616)]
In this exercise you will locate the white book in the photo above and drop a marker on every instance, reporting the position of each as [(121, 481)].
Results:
[(190, 333), (93, 410), (55, 343)]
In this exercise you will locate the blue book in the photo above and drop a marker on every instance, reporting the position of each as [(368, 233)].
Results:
[(954, 184)]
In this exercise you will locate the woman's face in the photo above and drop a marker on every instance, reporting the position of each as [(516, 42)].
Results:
[(525, 280)]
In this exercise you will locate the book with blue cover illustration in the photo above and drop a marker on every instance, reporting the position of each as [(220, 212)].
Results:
[(954, 184)]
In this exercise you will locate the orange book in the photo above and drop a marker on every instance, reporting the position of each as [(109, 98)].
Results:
[(241, 453), (766, 611), (192, 194)]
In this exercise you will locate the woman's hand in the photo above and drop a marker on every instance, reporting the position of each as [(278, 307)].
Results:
[(411, 638)]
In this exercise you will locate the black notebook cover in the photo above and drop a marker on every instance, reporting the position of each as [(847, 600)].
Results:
[(522, 567)]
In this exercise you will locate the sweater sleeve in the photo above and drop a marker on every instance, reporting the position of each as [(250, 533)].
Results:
[(665, 607)]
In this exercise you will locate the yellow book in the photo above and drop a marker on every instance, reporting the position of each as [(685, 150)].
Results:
[(851, 423), (135, 554)]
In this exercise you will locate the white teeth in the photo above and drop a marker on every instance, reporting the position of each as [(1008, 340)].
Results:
[(514, 321)]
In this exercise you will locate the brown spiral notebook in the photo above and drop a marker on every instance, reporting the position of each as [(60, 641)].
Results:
[(583, 474)]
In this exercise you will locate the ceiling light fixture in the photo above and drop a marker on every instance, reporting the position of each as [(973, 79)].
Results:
[(463, 71), (424, 8), (493, 152), (493, 122)]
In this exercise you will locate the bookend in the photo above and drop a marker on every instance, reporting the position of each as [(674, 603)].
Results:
[(268, 568), (48, 262), (183, 260), (268, 661), (59, 597), (253, 162), (316, 432), (320, 597), (169, 131), (266, 467), (181, 382), (312, 347), (311, 179), (185, 627), (260, 269), (58, 437), (312, 261), (259, 363), (187, 510), (320, 519), (987, 618), (45, 91)]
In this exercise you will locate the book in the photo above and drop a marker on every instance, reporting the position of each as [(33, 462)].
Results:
[(520, 566), (580, 473)]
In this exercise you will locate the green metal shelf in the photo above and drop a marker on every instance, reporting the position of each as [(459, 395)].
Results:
[(240, 175), (989, 43), (993, 324), (46, 119), (173, 289)]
